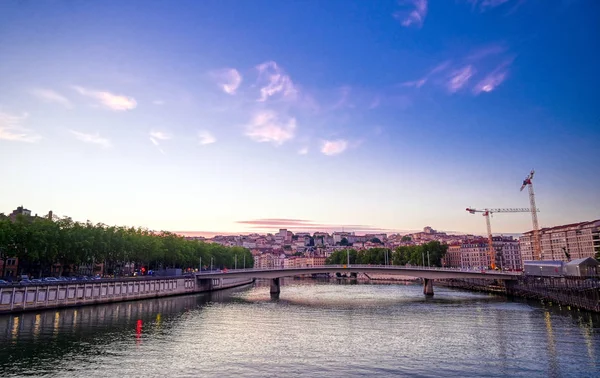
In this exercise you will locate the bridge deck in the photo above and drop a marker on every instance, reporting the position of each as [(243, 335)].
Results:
[(417, 272)]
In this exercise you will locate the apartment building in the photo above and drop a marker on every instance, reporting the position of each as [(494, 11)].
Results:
[(561, 243)]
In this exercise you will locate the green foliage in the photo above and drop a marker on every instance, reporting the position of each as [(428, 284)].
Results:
[(39, 243), (403, 255), (376, 240), (415, 254), (344, 242), (369, 256), (406, 238)]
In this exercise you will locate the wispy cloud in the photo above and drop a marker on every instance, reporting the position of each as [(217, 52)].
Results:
[(274, 81), (109, 100), (228, 79), (11, 129), (344, 98), (307, 225), (484, 5), (484, 52), (205, 137), (48, 95), (415, 83), (492, 80), (160, 135), (303, 151), (158, 102), (92, 138), (435, 70), (416, 16), (267, 126), (460, 78), (334, 147), (156, 136)]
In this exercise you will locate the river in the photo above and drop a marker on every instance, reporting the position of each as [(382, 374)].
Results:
[(314, 328)]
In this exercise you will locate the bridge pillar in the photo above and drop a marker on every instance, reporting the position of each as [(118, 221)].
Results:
[(427, 286), (275, 286)]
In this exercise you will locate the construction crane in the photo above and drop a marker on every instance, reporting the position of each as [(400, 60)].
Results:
[(537, 247), (486, 214)]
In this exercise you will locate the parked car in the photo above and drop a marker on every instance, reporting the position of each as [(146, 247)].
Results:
[(2, 282), (50, 279), (37, 280), (25, 281)]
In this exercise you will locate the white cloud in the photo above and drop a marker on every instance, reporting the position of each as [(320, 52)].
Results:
[(303, 151), (334, 147), (12, 130), (228, 79), (160, 135), (275, 81), (205, 137), (109, 100), (48, 95), (460, 78), (91, 138), (266, 126), (416, 16), (158, 102)]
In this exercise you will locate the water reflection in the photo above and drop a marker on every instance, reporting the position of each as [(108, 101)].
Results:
[(333, 328)]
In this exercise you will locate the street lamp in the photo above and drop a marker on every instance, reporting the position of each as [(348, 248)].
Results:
[(428, 264), (211, 263), (235, 264)]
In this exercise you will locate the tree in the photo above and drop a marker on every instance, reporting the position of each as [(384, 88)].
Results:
[(376, 240), (344, 242), (406, 238)]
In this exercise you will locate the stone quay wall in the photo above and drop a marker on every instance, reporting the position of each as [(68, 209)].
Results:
[(17, 298)]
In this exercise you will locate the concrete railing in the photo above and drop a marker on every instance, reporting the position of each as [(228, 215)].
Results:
[(74, 293)]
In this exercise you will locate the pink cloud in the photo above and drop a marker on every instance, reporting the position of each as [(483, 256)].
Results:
[(334, 147), (460, 78), (228, 79), (267, 126), (416, 16), (275, 81), (492, 80), (306, 225)]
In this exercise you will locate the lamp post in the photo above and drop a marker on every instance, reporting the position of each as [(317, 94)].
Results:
[(423, 256), (200, 269), (348, 256), (211, 263), (244, 261), (235, 264), (428, 263)]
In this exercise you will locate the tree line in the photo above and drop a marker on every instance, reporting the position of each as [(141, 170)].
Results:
[(429, 254), (41, 243)]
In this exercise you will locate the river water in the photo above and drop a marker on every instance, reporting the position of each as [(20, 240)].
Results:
[(325, 328)]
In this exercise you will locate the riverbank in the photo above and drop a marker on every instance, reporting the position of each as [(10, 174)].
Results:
[(68, 294), (575, 292)]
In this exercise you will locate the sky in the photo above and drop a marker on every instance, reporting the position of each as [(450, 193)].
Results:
[(247, 116)]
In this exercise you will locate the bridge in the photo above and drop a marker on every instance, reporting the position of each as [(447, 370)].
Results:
[(428, 274)]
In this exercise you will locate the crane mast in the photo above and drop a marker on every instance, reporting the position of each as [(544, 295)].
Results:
[(537, 246), (486, 213)]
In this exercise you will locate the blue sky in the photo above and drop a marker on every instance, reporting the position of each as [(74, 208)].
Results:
[(235, 116)]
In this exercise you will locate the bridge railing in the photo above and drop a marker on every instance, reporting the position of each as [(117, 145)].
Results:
[(359, 266)]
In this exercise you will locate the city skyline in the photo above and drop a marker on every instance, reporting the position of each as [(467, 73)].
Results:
[(202, 118)]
